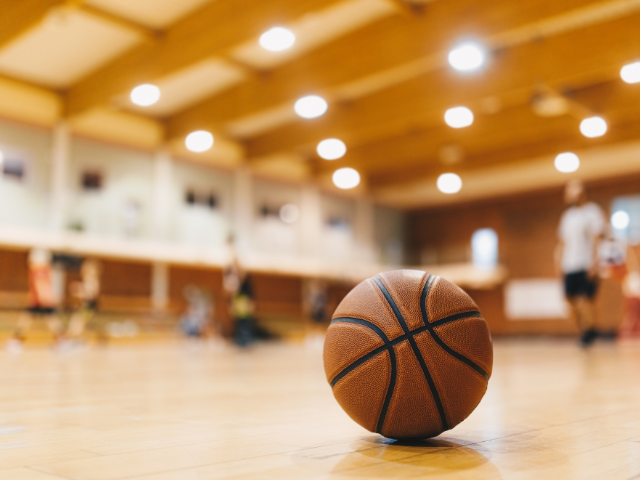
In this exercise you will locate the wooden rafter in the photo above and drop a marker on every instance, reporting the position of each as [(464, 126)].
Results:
[(148, 34), (561, 61), (515, 134), (390, 43), (16, 17), (210, 31)]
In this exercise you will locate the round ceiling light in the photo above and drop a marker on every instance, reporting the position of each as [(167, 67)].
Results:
[(277, 39), (567, 162), (593, 127), (346, 178), (631, 73), (458, 117), (199, 141), (332, 149), (311, 106), (145, 95), (620, 220), (449, 183), (467, 57)]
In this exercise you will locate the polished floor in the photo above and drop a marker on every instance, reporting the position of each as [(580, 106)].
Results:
[(170, 411)]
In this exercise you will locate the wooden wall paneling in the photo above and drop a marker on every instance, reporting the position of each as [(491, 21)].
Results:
[(209, 280), (14, 271), (527, 230)]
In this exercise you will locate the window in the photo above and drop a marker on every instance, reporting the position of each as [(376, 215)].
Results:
[(91, 181), (193, 197), (625, 218), (13, 168), (484, 248)]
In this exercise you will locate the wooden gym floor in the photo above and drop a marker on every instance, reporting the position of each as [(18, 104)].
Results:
[(170, 412)]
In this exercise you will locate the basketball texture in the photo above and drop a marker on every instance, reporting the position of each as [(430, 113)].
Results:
[(408, 354)]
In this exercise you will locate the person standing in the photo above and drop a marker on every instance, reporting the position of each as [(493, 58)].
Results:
[(87, 293), (42, 301), (581, 230)]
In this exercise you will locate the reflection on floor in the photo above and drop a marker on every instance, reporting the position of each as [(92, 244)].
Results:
[(171, 411)]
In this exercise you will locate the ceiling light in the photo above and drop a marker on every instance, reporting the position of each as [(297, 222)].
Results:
[(593, 127), (458, 117), (289, 213), (620, 220), (311, 106), (199, 141), (449, 183), (145, 95), (346, 178), (331, 149), (467, 57), (567, 162), (631, 73), (277, 39)]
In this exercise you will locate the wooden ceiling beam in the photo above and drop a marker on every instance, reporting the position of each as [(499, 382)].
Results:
[(568, 61), (510, 136), (211, 31), (19, 16), (148, 34), (520, 154), (390, 47)]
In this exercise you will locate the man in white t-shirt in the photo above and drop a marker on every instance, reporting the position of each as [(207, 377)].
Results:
[(581, 229)]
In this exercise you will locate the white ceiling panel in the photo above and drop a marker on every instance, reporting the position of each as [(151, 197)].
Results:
[(188, 86), (316, 29), (157, 14), (68, 45)]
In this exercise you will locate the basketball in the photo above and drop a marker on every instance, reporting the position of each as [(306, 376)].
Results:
[(408, 354)]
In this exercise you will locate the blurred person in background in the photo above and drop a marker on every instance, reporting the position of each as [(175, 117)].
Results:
[(316, 307), (42, 301), (580, 233), (196, 321), (86, 292), (619, 262), (239, 289)]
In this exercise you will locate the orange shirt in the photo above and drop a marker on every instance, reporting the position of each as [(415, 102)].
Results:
[(41, 287)]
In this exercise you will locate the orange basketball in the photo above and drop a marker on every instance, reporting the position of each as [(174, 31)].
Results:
[(408, 354)]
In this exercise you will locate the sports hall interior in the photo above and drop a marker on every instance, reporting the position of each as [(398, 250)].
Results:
[(218, 160)]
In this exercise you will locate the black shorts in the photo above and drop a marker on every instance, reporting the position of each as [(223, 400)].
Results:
[(578, 284), (42, 311)]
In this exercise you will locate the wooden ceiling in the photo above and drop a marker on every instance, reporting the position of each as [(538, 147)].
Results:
[(381, 65)]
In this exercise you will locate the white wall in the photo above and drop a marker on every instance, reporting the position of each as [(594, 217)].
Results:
[(127, 180), (331, 229), (197, 224), (270, 234), (25, 203)]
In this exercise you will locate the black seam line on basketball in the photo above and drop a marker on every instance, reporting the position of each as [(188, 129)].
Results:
[(459, 356), (416, 352), (439, 341), (392, 356), (372, 353)]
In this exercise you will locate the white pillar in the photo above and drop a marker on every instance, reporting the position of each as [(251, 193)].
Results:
[(59, 174), (364, 230), (162, 189), (311, 221), (242, 209), (159, 286)]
